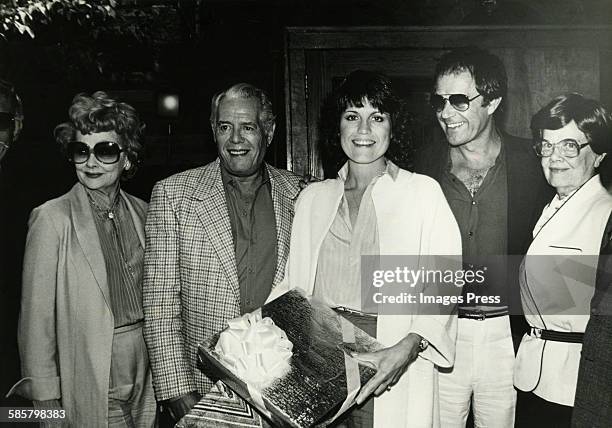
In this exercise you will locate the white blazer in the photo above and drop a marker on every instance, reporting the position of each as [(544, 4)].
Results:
[(556, 292), (413, 218)]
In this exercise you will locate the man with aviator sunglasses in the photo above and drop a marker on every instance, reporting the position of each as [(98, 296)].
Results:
[(495, 188)]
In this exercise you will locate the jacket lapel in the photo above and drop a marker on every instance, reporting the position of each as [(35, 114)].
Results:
[(87, 235), (211, 209), (283, 198)]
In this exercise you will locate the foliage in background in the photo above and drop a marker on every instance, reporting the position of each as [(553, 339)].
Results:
[(78, 41), (91, 18), (24, 16)]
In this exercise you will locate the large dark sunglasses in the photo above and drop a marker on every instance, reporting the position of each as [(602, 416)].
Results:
[(6, 120), (107, 152), (460, 102)]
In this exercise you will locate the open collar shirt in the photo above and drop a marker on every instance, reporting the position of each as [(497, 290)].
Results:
[(338, 278), (251, 212), (483, 222)]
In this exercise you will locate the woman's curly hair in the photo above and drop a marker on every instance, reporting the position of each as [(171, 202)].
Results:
[(100, 113), (377, 89)]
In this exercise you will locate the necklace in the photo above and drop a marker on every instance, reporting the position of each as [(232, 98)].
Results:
[(107, 212)]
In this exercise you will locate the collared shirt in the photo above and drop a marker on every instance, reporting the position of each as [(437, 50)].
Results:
[(123, 255), (338, 277), (251, 213), (483, 222)]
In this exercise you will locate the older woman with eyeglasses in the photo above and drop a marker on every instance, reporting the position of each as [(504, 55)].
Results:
[(559, 273), (80, 327)]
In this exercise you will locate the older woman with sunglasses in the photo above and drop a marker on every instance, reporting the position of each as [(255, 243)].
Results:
[(560, 272), (80, 327)]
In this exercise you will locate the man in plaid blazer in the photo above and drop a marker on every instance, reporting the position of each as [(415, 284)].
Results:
[(217, 239)]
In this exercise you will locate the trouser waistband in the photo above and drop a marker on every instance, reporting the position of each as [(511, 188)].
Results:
[(130, 327), (480, 315)]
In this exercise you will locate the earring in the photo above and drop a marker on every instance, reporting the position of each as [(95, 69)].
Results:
[(127, 164)]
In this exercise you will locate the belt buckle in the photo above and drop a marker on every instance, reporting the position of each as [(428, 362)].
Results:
[(347, 310), (478, 315), (536, 332)]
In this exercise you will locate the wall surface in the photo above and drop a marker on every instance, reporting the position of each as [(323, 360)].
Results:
[(541, 62)]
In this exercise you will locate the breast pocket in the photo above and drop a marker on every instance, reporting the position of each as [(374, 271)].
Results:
[(565, 249)]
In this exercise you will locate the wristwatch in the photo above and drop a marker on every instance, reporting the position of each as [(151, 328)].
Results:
[(423, 344)]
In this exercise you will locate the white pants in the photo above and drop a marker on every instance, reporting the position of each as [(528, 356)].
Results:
[(484, 363)]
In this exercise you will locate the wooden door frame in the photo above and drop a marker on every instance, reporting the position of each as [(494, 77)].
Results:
[(303, 47)]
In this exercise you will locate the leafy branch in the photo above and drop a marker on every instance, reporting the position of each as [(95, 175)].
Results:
[(22, 16)]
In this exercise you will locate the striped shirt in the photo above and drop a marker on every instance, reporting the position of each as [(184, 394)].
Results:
[(338, 277), (123, 255)]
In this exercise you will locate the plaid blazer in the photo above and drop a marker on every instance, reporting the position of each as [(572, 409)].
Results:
[(190, 286)]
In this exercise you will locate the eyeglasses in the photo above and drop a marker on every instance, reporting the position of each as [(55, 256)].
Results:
[(6, 120), (107, 152), (460, 102), (568, 148)]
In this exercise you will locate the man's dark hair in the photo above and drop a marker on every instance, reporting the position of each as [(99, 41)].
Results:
[(487, 70)]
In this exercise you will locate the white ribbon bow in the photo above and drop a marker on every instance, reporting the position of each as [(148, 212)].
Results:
[(255, 349)]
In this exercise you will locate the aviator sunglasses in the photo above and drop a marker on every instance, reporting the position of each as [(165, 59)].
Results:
[(107, 152), (460, 102)]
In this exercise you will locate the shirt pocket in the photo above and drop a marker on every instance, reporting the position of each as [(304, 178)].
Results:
[(565, 249)]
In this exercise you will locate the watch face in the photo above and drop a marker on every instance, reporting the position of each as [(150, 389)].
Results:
[(423, 344)]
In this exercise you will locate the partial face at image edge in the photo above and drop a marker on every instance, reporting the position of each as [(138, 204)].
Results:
[(10, 125)]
